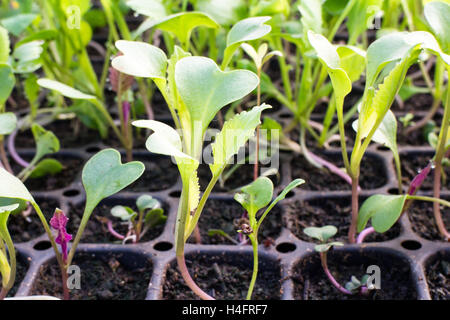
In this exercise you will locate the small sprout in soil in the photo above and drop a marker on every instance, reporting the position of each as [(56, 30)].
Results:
[(253, 198), (150, 214), (323, 234)]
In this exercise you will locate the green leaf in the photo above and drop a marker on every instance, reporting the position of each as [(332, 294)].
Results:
[(64, 89), (384, 210), (8, 208), (224, 12), (4, 45), (46, 35), (322, 234), (327, 246), (5, 269), (165, 140), (8, 122), (11, 187), (104, 175), (27, 57), (352, 60), (146, 202), (140, 59), (361, 14), (294, 184), (311, 11), (181, 24), (328, 55), (245, 30), (386, 133), (248, 29), (205, 89), (46, 141), (437, 14), (22, 204), (150, 8), (234, 135), (7, 81), (255, 196), (18, 23), (155, 217), (46, 167), (123, 213)]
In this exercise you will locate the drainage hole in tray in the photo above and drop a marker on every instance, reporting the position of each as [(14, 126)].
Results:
[(163, 246), (286, 247), (175, 194), (411, 245), (71, 193), (42, 245)]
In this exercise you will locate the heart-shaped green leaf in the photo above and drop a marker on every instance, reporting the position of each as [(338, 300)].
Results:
[(384, 210), (255, 196), (140, 59), (64, 89), (8, 122), (104, 175), (322, 234), (154, 218), (205, 89)]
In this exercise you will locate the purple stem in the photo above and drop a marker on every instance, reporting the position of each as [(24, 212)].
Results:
[(334, 169), (13, 152), (126, 112), (323, 258), (364, 234), (114, 232)]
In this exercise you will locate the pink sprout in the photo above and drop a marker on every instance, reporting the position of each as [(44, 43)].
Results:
[(59, 222)]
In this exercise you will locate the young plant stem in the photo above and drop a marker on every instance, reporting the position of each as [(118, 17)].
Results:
[(364, 234), (440, 154), (114, 232), (323, 260), (258, 102), (254, 241), (355, 210), (4, 234), (180, 242)]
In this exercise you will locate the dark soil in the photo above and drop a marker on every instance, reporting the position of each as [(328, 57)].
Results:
[(241, 177), (311, 283), (373, 174), (422, 220), (21, 270), (96, 230), (328, 211), (226, 214), (413, 163), (438, 275), (72, 166), (224, 277), (417, 137), (160, 174), (112, 277), (25, 229), (71, 134), (418, 102)]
